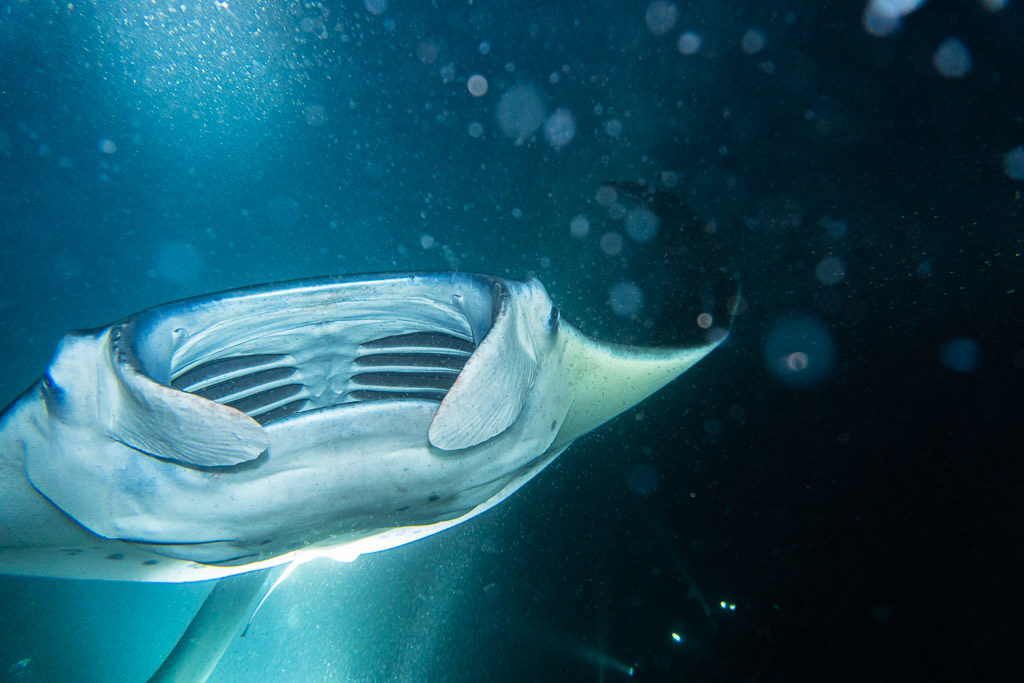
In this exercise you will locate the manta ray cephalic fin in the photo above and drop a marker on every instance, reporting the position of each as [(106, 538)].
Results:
[(492, 388), (174, 425)]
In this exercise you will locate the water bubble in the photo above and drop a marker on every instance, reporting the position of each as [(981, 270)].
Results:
[(836, 229), (477, 85), (669, 179), (450, 257), (606, 195), (830, 271), (1013, 163), (882, 17), (626, 299), (796, 361), (961, 355), (579, 226), (660, 17), (375, 6), (641, 225), (642, 479), (475, 129), (613, 128), (877, 23), (752, 42), (107, 146), (178, 261), (426, 52), (484, 47), (520, 112), (799, 351), (689, 43), (611, 243), (560, 128), (952, 59), (897, 7), (704, 321), (426, 241), (315, 114)]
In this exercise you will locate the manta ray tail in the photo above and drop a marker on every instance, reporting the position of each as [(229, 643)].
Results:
[(282, 573), (228, 609)]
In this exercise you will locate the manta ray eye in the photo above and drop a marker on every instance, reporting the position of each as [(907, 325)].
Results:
[(553, 320), (51, 390)]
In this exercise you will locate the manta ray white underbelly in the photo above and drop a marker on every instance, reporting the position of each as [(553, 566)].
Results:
[(228, 433)]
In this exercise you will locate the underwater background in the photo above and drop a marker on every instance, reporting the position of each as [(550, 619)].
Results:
[(832, 495)]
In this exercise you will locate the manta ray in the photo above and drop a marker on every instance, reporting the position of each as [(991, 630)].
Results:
[(271, 425)]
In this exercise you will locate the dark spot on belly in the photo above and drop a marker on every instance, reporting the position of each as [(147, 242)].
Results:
[(265, 542), (402, 509), (72, 551), (434, 498), (115, 556), (553, 423), (150, 563)]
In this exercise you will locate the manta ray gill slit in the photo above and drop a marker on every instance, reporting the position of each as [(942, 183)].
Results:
[(297, 369)]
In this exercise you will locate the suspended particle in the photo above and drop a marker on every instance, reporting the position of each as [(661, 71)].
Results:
[(753, 41), (560, 128), (689, 43), (477, 85), (520, 112), (1013, 163), (641, 225), (952, 59), (961, 355), (579, 226), (799, 351), (661, 17), (626, 299)]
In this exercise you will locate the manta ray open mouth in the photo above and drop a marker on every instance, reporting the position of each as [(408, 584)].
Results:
[(271, 360), (271, 386)]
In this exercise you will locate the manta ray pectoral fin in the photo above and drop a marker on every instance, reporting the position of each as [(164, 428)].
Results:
[(175, 425), (489, 393), (610, 378)]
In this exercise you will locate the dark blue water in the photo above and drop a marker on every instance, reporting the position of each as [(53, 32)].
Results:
[(829, 496)]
